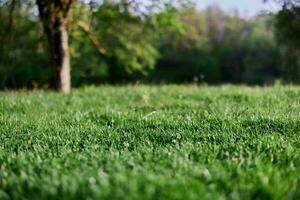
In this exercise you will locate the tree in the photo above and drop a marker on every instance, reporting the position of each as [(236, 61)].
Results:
[(287, 26), (23, 48), (55, 17)]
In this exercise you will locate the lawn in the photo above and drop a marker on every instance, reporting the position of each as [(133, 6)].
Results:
[(151, 142)]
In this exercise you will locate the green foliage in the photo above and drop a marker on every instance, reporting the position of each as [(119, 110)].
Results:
[(88, 67), (186, 52), (262, 57), (157, 42), (288, 30), (128, 40), (166, 142), (23, 58), (215, 47)]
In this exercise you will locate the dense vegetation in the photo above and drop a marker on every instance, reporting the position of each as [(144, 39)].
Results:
[(164, 142), (173, 44)]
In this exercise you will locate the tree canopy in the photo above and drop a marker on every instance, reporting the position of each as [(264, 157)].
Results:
[(114, 41)]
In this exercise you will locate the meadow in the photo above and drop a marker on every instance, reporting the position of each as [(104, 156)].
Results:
[(151, 142)]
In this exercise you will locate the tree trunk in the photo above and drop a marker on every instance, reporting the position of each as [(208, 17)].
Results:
[(65, 70), (60, 57), (55, 18)]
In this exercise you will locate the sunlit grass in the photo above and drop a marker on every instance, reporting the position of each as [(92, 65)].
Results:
[(151, 142)]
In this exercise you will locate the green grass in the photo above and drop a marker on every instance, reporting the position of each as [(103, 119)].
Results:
[(151, 142)]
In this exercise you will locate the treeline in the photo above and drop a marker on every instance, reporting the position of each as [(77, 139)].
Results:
[(172, 45)]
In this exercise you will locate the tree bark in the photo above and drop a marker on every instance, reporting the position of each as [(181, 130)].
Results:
[(60, 57), (54, 15), (65, 68)]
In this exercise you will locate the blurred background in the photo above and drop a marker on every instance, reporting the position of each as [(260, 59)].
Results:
[(251, 42)]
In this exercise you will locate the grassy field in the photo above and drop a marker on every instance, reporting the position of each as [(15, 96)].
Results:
[(151, 142)]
